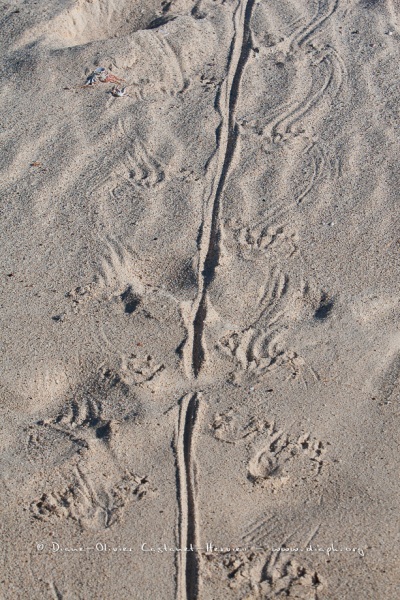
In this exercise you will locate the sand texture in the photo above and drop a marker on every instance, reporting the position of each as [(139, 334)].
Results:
[(200, 337)]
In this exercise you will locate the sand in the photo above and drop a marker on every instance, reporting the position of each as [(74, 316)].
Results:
[(200, 299)]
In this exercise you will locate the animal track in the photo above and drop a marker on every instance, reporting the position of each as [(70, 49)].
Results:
[(260, 348), (268, 462), (64, 443), (138, 166), (264, 575), (319, 166), (324, 80), (134, 169), (81, 294), (121, 280), (118, 270), (259, 532), (276, 450), (138, 370), (283, 458), (89, 421), (80, 415), (144, 170), (264, 238), (227, 427), (258, 353), (96, 409), (325, 64), (90, 507), (90, 413), (305, 33), (188, 564), (324, 308), (227, 134), (315, 450), (131, 300)]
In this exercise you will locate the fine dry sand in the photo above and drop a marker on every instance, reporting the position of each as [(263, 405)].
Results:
[(200, 300)]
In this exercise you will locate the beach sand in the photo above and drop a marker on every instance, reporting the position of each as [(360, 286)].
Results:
[(200, 299)]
